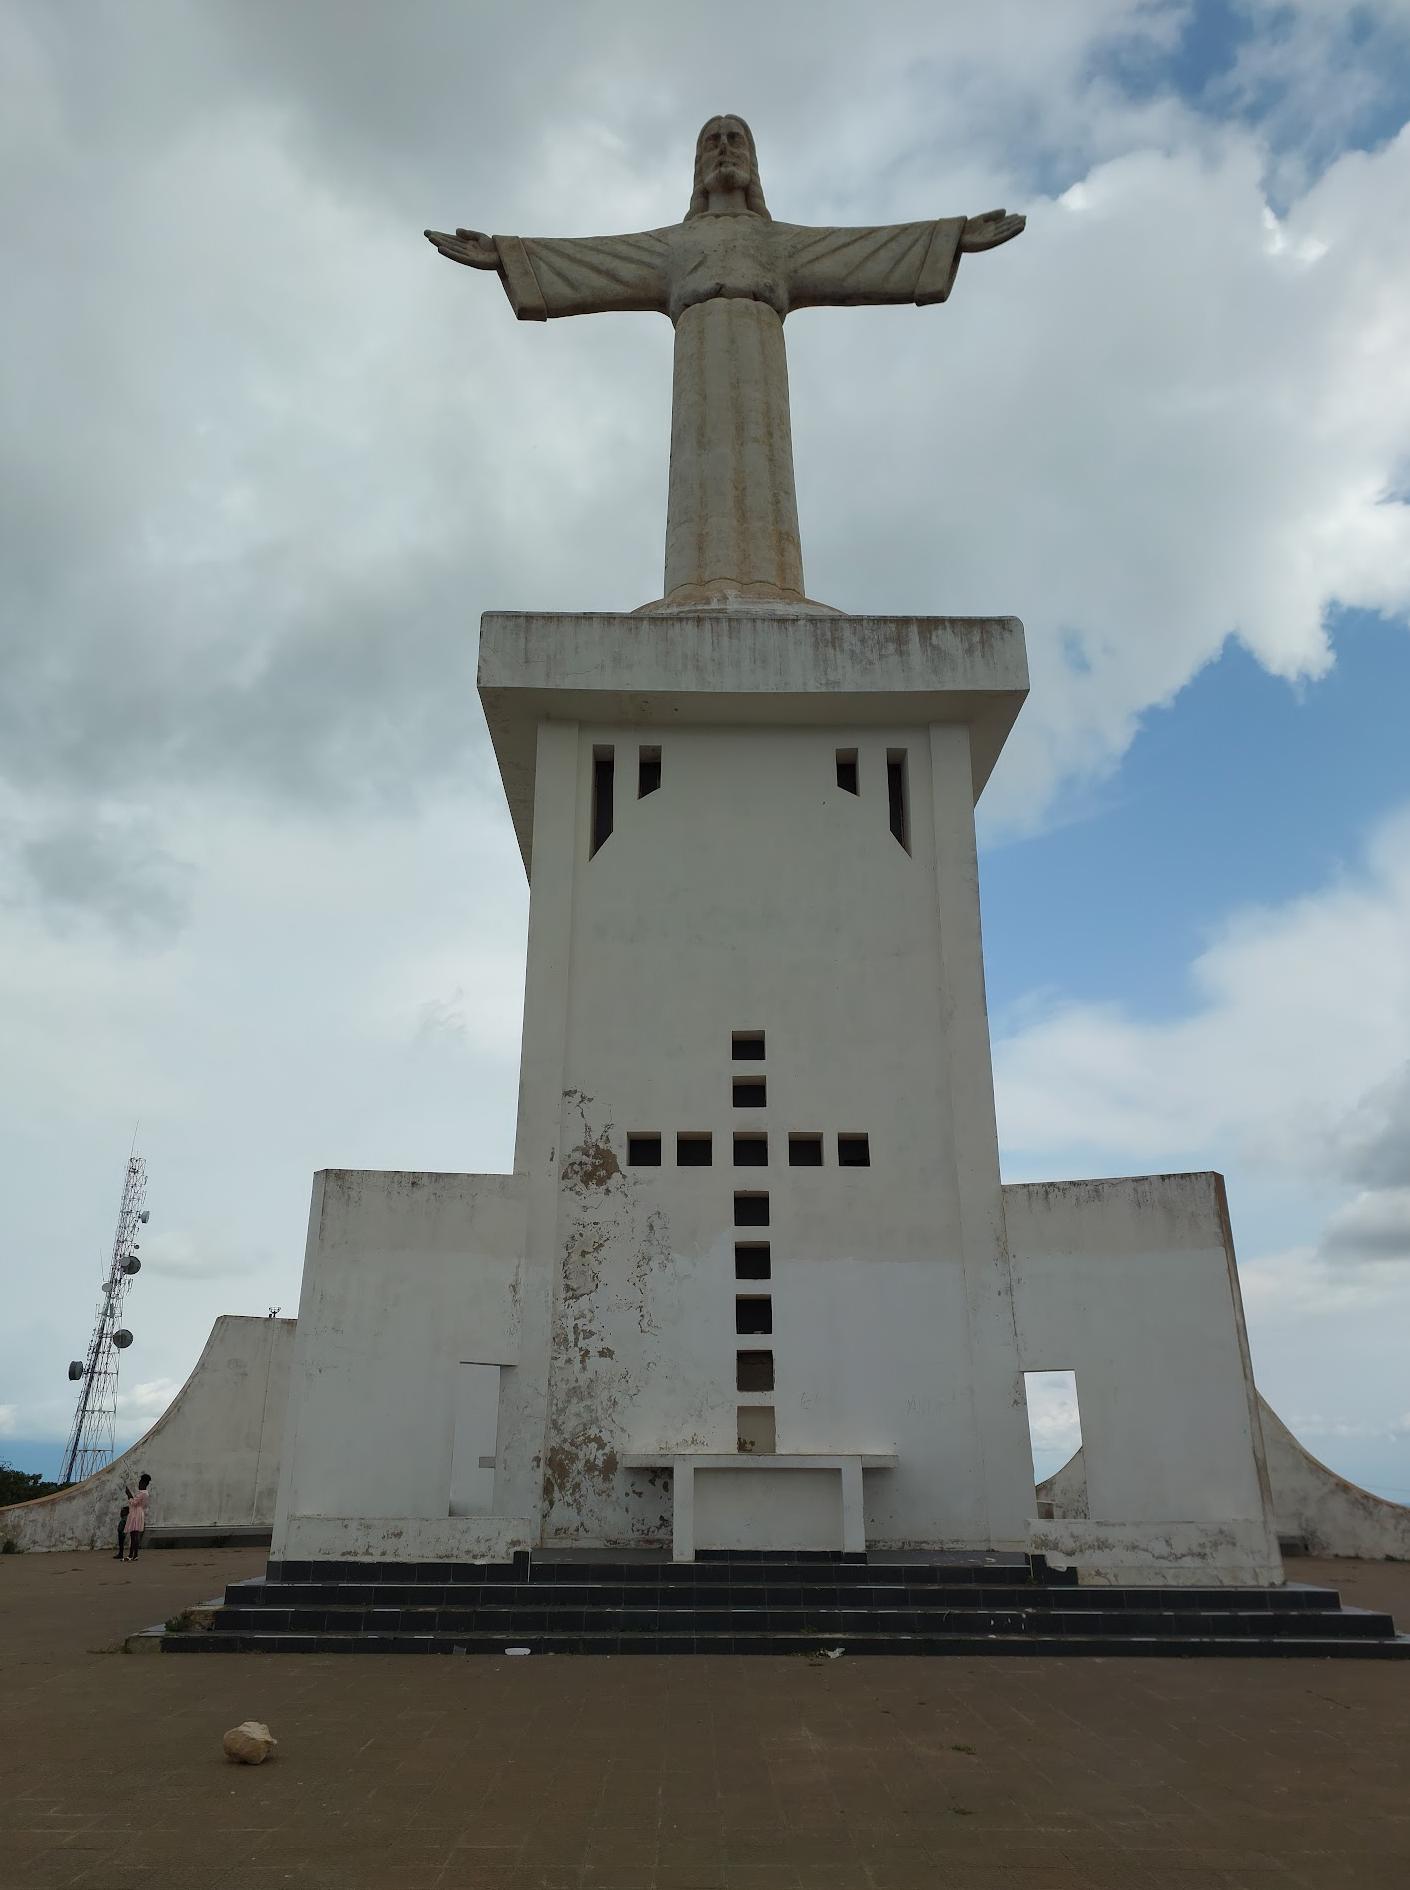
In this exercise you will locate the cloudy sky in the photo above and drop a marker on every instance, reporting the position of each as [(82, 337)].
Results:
[(266, 458)]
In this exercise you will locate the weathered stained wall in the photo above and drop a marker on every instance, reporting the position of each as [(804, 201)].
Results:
[(749, 889), (405, 1277), (1131, 1284), (751, 892), (213, 1455)]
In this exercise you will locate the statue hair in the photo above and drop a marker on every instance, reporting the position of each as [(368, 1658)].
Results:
[(754, 193)]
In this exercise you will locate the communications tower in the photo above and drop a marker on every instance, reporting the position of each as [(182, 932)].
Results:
[(90, 1444)]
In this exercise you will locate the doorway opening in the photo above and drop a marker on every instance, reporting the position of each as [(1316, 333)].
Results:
[(1055, 1438)]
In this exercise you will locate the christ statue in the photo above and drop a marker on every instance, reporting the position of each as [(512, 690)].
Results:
[(727, 275)]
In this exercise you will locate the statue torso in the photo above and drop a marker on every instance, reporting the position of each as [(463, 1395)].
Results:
[(731, 256)]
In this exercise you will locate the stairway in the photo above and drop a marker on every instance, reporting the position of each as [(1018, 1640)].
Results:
[(737, 1603)]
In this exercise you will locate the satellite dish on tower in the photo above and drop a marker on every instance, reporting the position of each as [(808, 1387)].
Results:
[(75, 1369), (122, 1338)]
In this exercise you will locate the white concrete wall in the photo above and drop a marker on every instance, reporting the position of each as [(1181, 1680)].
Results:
[(1132, 1285), (406, 1276), (213, 1455), (1332, 1515), (750, 892)]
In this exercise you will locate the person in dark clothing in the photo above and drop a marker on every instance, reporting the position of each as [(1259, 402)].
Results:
[(122, 1527)]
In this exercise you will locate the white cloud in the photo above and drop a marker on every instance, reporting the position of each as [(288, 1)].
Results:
[(142, 1404), (1301, 1013), (9, 1420), (1054, 1422), (1375, 1225)]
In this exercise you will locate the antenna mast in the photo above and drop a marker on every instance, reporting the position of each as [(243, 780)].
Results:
[(90, 1444)]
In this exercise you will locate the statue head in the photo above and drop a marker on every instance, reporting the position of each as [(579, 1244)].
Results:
[(725, 159)]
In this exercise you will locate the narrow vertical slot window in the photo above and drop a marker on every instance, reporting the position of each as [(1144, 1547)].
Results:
[(757, 1432), (603, 767), (648, 772), (847, 770), (898, 795)]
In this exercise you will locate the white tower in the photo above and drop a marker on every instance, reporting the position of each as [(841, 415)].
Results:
[(756, 1120)]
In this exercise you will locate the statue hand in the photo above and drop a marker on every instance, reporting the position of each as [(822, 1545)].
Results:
[(471, 247), (991, 229)]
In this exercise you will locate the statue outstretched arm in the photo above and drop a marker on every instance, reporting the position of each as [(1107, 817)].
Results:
[(890, 262), (548, 276)]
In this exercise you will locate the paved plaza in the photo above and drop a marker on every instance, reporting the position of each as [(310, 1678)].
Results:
[(680, 1774)]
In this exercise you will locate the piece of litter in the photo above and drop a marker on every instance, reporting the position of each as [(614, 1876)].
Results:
[(249, 1743), (834, 1653), (518, 1650)]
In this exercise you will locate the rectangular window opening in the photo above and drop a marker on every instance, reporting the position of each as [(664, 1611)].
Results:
[(847, 770), (747, 1046), (603, 766), (854, 1151), (757, 1433), (754, 1371), (898, 795), (751, 1151), (1055, 1439), (751, 1260), (648, 772), (643, 1151), (694, 1149), (750, 1092), (754, 1314), (751, 1210), (805, 1151)]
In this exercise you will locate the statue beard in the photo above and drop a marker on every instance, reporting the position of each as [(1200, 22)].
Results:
[(727, 176)]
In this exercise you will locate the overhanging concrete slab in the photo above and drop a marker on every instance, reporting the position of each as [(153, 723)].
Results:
[(732, 668)]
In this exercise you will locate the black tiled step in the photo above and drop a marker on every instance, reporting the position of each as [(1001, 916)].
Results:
[(778, 1603), (879, 1593), (881, 1643), (519, 1620)]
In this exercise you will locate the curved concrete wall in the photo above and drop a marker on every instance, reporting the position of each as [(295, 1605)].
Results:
[(1333, 1516), (213, 1455)]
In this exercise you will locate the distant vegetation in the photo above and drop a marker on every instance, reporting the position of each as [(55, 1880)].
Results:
[(21, 1486)]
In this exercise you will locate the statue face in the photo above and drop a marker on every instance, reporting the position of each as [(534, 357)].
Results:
[(725, 163)]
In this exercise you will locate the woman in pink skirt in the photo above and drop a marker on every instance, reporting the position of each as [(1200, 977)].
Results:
[(137, 1516)]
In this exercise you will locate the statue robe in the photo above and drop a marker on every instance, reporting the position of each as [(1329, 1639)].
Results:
[(727, 281)]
